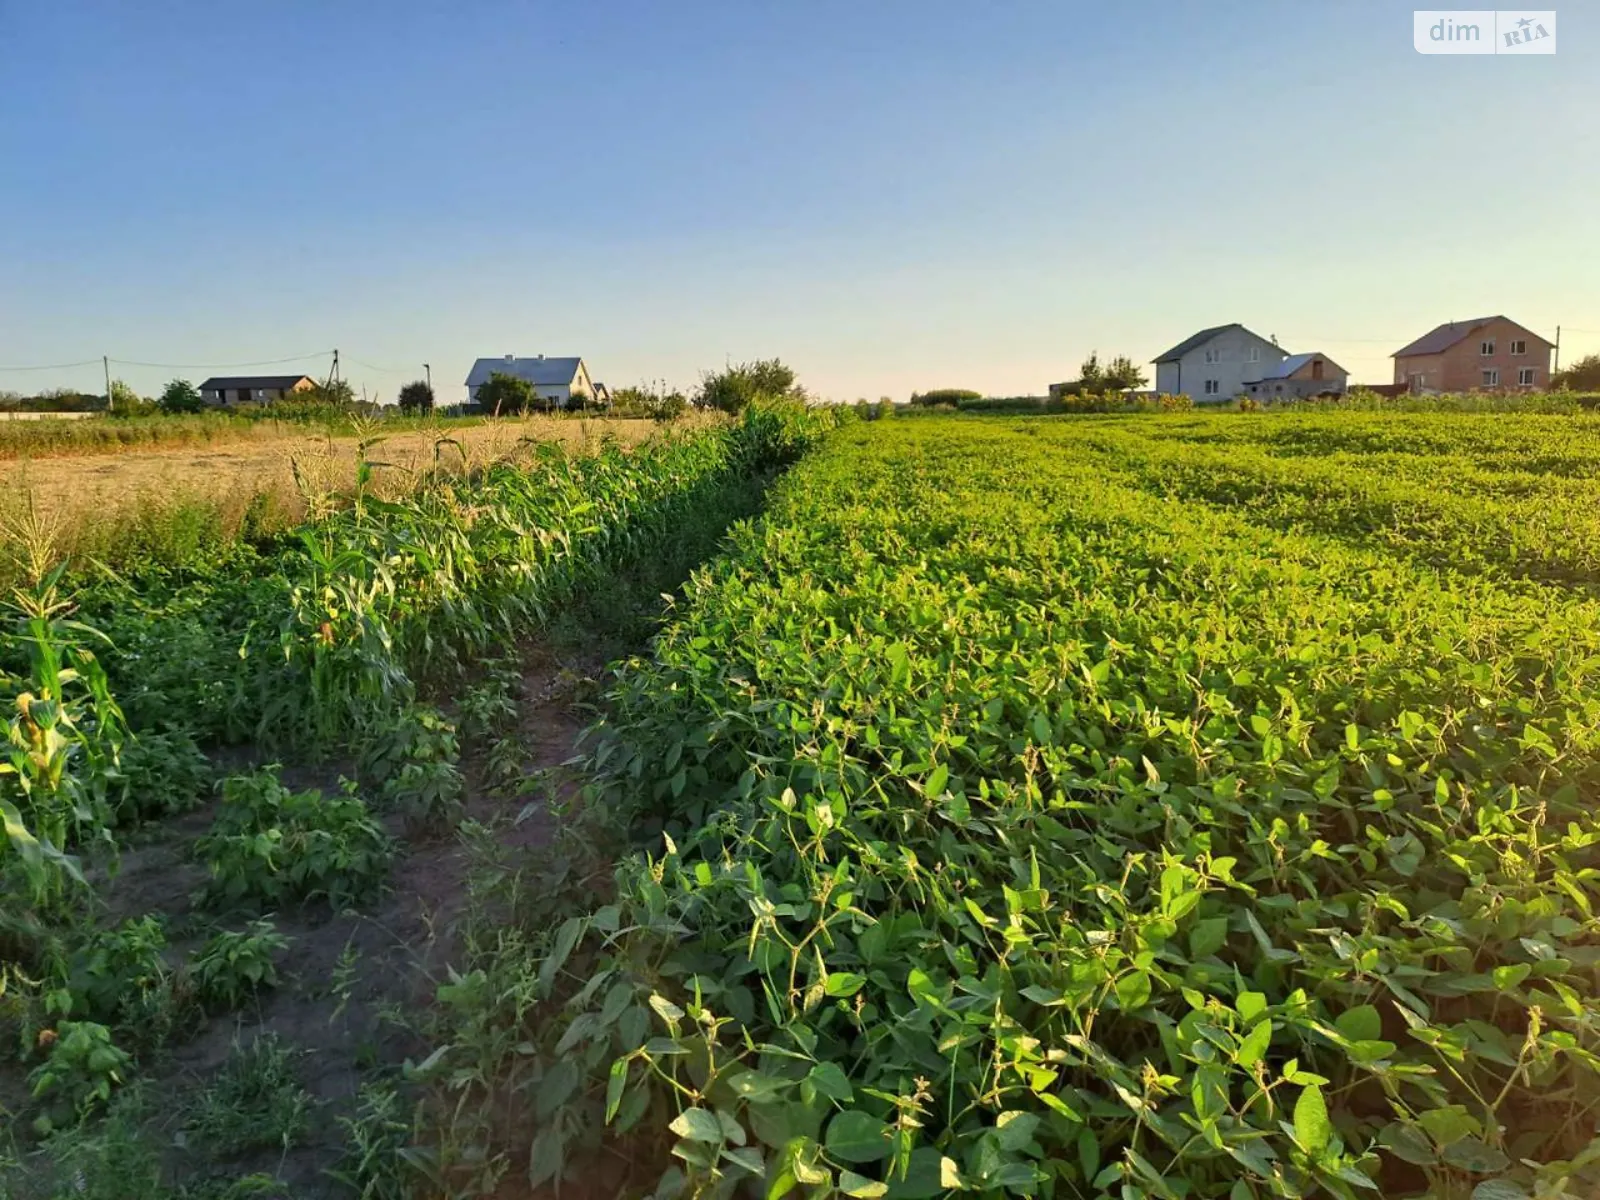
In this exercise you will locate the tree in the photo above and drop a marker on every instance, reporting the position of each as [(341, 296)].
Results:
[(336, 392), (1122, 375), (180, 396), (123, 397), (951, 396), (416, 397), (1581, 376), (505, 395), (1090, 377), (733, 388)]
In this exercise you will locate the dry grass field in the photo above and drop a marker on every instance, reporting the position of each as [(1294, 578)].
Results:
[(127, 504)]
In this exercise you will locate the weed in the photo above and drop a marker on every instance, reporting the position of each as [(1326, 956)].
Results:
[(254, 1101), (375, 1164)]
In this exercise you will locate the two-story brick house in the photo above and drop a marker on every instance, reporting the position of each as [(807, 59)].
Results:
[(1490, 353)]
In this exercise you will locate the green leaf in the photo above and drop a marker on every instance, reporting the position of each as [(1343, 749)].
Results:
[(831, 1081), (1133, 991), (857, 1137), (1498, 1189), (1254, 1046), (844, 983), (615, 1085), (1311, 1127), (1208, 936), (698, 1125), (938, 778), (1360, 1024), (852, 1184), (1471, 1154)]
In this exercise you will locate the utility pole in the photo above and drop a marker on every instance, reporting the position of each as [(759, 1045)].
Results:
[(105, 361), (335, 376), (1557, 369), (429, 372)]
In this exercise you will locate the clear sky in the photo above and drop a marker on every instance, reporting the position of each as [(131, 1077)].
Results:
[(889, 194)]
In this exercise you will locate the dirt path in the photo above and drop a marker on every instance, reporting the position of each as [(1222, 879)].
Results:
[(348, 978)]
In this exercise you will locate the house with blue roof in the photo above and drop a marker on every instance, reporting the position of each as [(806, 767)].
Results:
[(557, 382)]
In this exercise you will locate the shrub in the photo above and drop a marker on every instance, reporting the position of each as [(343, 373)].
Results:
[(117, 975), (270, 847), (735, 388), (506, 395), (181, 396), (232, 967), (84, 1067), (954, 397), (416, 397), (162, 774)]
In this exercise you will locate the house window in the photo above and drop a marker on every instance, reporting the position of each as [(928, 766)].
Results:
[(1486, 348), (1254, 355), (1525, 376), (1491, 379), (1418, 381), (1519, 347), (1213, 386), (1213, 356)]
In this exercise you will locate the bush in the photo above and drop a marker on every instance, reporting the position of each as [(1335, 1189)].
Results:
[(734, 389), (955, 397), (506, 395), (271, 847), (416, 397), (180, 396), (232, 967)]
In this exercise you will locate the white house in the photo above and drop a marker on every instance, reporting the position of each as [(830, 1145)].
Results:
[(556, 381), (1216, 364)]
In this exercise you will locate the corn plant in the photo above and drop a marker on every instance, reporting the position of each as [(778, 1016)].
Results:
[(61, 741)]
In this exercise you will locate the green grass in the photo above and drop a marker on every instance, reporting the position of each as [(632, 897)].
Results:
[(254, 1101), (1150, 806)]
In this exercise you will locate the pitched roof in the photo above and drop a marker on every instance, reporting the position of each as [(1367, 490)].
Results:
[(1200, 339), (233, 383), (1451, 332), (1294, 362), (541, 371)]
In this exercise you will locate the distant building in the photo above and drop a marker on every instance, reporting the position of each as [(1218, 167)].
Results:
[(1216, 364), (222, 390), (1301, 375), (1487, 352), (556, 381)]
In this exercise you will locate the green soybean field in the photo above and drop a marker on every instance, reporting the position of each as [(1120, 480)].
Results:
[(1148, 807), (815, 803)]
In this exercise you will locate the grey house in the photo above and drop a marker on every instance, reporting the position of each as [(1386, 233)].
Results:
[(1299, 376), (557, 382), (1216, 364)]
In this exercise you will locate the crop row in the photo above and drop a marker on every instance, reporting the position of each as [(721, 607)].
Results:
[(1025, 830)]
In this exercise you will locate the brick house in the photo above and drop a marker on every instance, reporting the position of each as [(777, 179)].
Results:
[(1486, 353)]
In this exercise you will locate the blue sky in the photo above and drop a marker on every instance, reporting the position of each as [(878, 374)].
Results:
[(889, 195)]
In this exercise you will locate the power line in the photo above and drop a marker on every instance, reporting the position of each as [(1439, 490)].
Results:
[(88, 362), (384, 370), (264, 362)]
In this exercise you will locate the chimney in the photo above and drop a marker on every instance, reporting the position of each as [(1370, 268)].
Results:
[(511, 358), (541, 358)]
